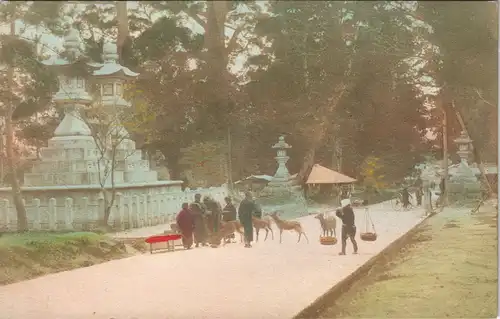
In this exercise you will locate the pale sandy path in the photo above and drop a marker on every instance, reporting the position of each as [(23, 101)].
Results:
[(267, 281)]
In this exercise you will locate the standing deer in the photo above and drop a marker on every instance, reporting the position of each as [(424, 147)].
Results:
[(288, 225), (328, 224), (264, 223), (229, 228)]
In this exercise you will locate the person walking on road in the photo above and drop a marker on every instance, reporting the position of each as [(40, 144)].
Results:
[(346, 214), (185, 222), (405, 198), (245, 212)]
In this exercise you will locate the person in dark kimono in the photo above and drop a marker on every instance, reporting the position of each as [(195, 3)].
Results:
[(198, 210), (215, 220), (246, 210), (185, 222), (346, 214), (228, 215)]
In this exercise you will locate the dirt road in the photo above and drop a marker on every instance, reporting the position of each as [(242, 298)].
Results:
[(271, 280)]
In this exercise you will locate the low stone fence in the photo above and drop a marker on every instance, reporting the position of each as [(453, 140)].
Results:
[(84, 213)]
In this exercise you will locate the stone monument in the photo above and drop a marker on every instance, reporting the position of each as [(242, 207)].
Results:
[(281, 193), (463, 185), (73, 165)]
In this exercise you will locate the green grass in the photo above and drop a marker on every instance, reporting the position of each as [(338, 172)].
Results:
[(32, 254)]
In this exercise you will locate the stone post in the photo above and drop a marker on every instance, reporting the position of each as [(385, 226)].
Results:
[(145, 210), (135, 210), (68, 212), (156, 210), (130, 215), (162, 208), (85, 211), (119, 217), (52, 214), (37, 222), (4, 212)]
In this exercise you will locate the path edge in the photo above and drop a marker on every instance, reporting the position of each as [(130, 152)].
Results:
[(344, 285)]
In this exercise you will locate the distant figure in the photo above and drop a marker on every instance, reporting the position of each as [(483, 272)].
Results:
[(346, 214), (418, 195), (208, 214), (441, 192), (405, 197), (185, 222), (245, 212), (198, 210), (228, 215)]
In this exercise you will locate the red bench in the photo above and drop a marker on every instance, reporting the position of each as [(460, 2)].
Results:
[(169, 239)]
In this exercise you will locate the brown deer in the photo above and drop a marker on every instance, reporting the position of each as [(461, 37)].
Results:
[(264, 223), (229, 228), (328, 224), (288, 225)]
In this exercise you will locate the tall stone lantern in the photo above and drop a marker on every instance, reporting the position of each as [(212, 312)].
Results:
[(464, 184), (72, 94), (282, 174), (111, 78), (464, 147)]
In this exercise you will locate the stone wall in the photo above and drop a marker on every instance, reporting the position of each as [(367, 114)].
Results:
[(133, 208)]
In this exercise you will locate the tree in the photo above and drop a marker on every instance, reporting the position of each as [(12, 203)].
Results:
[(328, 63), (464, 66), (19, 56)]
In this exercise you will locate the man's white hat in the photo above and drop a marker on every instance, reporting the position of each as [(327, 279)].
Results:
[(345, 202)]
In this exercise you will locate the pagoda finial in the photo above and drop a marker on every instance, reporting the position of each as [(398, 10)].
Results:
[(110, 53), (72, 41)]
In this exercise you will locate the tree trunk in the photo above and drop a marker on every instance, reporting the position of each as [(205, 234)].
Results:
[(22, 219), (444, 196), (320, 133), (173, 164), (123, 30)]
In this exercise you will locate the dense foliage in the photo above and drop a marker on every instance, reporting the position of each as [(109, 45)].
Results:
[(340, 79)]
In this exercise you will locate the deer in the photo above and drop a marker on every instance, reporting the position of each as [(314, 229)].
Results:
[(264, 223), (229, 228), (328, 224), (175, 228), (288, 225)]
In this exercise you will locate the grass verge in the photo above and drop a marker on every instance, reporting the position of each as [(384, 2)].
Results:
[(447, 269), (33, 254)]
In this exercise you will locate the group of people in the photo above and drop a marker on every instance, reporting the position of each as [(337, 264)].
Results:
[(200, 221)]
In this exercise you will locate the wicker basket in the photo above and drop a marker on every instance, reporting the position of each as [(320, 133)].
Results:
[(368, 236), (327, 240)]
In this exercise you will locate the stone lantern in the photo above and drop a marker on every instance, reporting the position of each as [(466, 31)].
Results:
[(464, 184), (282, 173), (72, 94), (464, 147), (280, 191), (111, 78)]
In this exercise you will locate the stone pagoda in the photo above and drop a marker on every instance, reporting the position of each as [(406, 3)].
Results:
[(281, 193), (75, 164)]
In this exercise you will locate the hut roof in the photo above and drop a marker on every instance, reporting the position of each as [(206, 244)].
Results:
[(322, 175)]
